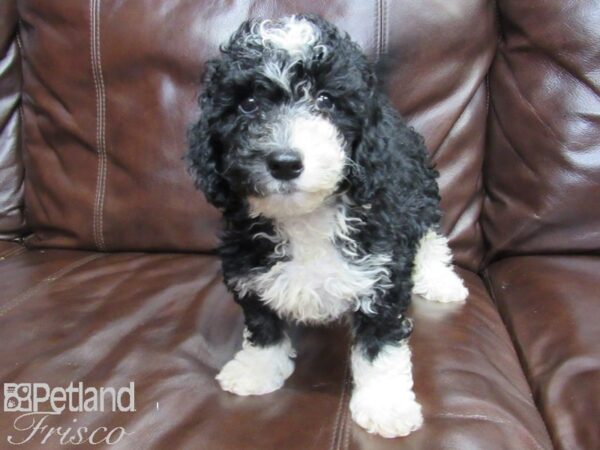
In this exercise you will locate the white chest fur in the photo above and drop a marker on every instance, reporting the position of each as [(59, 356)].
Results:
[(320, 280)]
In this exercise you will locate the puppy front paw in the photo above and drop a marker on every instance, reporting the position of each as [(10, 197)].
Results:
[(383, 401), (388, 414), (257, 370), (441, 284)]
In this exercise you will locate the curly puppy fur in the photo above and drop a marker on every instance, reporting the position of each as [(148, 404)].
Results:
[(331, 209)]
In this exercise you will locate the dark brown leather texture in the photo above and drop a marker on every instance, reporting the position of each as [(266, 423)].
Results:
[(165, 322), (105, 129), (12, 222), (552, 308), (118, 281), (542, 171)]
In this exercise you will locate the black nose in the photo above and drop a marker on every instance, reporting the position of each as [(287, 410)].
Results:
[(285, 165)]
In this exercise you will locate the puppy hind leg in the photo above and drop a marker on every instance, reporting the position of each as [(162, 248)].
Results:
[(266, 358), (434, 277)]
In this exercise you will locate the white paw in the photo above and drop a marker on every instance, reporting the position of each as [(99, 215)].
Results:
[(383, 401), (442, 285), (433, 275), (257, 370), (388, 414)]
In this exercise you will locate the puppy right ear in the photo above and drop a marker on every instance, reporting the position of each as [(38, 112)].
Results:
[(202, 158), (203, 155)]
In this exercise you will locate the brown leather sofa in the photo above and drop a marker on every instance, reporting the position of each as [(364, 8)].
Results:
[(106, 271)]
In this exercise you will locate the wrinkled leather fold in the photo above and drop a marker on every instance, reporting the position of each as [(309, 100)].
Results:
[(12, 222)]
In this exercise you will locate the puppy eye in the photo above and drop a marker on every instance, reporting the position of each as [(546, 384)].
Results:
[(324, 101), (249, 105)]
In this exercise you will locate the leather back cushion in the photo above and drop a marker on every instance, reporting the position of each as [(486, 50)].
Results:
[(110, 88), (542, 170), (11, 165)]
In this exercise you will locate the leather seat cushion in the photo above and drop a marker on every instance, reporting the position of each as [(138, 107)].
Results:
[(166, 322), (552, 308)]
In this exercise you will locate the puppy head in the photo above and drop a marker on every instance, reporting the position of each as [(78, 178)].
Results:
[(283, 111)]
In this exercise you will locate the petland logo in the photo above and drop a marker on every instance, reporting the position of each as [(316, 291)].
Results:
[(37, 401)]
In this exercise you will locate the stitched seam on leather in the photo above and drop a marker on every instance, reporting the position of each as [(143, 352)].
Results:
[(338, 424), (336, 421), (94, 74), (47, 281), (98, 225), (12, 252), (103, 134), (384, 26), (519, 352), (345, 434), (376, 27)]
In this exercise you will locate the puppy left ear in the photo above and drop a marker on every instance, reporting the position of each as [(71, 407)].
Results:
[(388, 154), (367, 173)]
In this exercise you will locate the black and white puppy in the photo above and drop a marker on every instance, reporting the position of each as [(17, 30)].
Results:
[(330, 209)]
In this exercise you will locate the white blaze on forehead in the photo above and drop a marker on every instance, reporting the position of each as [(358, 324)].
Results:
[(298, 37), (295, 36)]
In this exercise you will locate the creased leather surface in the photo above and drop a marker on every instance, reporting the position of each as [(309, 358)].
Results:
[(552, 309), (24, 270), (542, 171), (106, 126), (11, 166), (165, 322), (9, 248)]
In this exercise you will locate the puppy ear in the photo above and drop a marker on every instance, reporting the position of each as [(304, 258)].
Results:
[(389, 155), (368, 171), (203, 156)]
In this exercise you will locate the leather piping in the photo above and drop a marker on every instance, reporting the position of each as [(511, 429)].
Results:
[(340, 435), (98, 223), (381, 27)]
